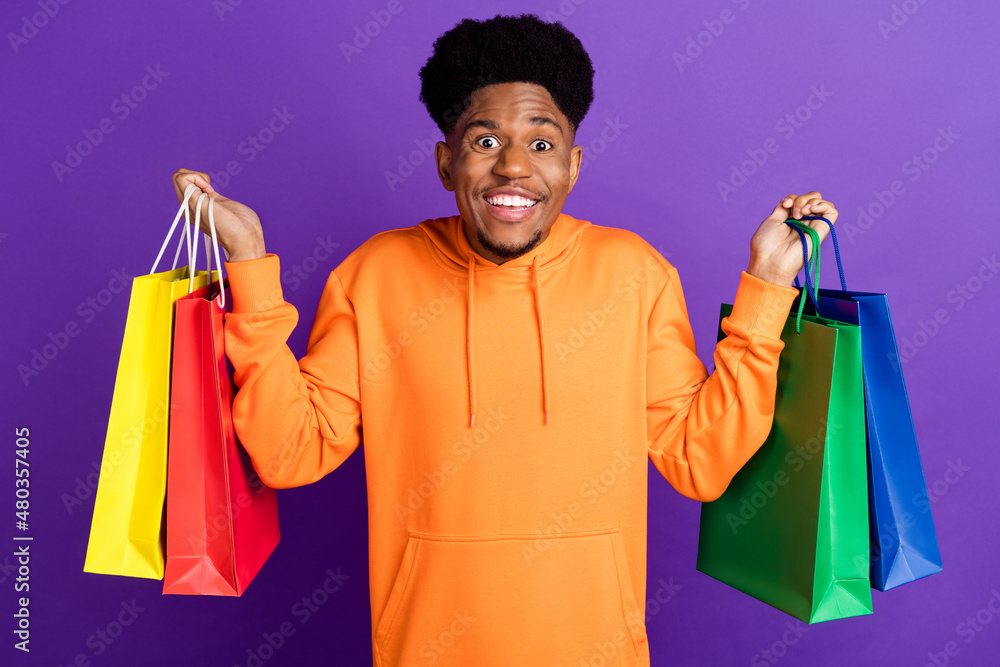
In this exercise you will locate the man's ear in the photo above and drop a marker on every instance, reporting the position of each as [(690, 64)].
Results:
[(575, 160), (442, 155)]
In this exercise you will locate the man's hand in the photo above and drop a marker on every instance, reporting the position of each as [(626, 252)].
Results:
[(236, 226), (776, 248)]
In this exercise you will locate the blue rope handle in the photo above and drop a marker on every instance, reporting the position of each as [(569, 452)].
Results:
[(836, 247)]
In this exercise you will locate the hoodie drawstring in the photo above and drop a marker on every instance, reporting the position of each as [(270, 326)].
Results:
[(468, 345), (541, 338), (541, 341)]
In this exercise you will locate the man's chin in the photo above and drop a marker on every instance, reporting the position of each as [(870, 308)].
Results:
[(505, 246)]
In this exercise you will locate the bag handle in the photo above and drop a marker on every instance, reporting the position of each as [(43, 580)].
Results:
[(807, 261), (215, 246), (183, 210), (193, 252), (836, 247), (187, 239), (812, 263)]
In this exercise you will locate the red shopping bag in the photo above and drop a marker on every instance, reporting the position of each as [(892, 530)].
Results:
[(222, 520)]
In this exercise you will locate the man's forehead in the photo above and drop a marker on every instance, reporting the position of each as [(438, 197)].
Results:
[(534, 119), (515, 92), (496, 105)]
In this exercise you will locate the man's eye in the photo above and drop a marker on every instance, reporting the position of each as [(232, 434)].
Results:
[(543, 147), (487, 142)]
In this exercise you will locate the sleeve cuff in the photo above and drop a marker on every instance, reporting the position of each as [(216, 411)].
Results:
[(255, 284), (760, 307)]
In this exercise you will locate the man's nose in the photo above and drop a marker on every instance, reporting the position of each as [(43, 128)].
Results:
[(513, 162)]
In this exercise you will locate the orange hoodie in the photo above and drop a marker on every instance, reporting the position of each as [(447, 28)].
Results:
[(507, 412)]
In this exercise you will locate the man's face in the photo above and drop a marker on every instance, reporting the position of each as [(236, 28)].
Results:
[(511, 162)]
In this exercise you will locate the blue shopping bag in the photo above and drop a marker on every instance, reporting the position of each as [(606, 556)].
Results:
[(903, 541)]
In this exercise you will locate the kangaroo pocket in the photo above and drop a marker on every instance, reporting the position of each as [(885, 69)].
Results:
[(512, 600)]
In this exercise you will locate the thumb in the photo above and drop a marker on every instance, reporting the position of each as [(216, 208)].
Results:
[(782, 211)]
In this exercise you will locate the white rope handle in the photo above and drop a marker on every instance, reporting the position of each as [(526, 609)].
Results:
[(184, 238), (187, 239), (208, 249), (183, 210), (215, 246), (193, 245)]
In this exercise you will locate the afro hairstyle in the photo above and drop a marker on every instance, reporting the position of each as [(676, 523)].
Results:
[(522, 48)]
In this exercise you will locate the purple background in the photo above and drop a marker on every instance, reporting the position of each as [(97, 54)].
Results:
[(679, 131)]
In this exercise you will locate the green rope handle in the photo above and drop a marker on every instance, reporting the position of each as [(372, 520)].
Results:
[(814, 263)]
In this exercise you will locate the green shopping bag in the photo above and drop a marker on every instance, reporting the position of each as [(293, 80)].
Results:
[(791, 529)]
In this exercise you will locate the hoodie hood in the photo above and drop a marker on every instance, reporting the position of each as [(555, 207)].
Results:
[(452, 250)]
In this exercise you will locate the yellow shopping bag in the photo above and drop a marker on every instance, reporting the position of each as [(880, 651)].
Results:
[(127, 530)]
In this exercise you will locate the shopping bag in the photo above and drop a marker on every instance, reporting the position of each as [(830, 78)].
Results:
[(126, 531), (904, 544), (222, 521), (791, 528)]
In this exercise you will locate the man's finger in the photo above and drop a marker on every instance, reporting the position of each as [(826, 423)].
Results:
[(825, 209), (202, 182), (801, 201), (780, 212), (184, 177), (807, 208)]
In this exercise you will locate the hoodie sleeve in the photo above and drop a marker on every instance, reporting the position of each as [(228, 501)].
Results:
[(298, 420), (702, 429)]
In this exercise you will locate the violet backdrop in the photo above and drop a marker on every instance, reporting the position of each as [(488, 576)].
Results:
[(706, 114)]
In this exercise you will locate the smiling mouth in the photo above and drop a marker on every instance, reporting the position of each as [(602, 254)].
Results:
[(511, 203)]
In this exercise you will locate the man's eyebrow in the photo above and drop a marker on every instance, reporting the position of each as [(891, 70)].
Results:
[(490, 124), (545, 120), (482, 122)]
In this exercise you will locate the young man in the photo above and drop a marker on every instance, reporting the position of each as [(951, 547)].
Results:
[(510, 369)]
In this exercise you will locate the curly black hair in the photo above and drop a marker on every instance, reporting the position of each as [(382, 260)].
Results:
[(521, 48)]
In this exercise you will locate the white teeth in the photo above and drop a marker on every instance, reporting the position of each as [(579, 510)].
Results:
[(514, 201)]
